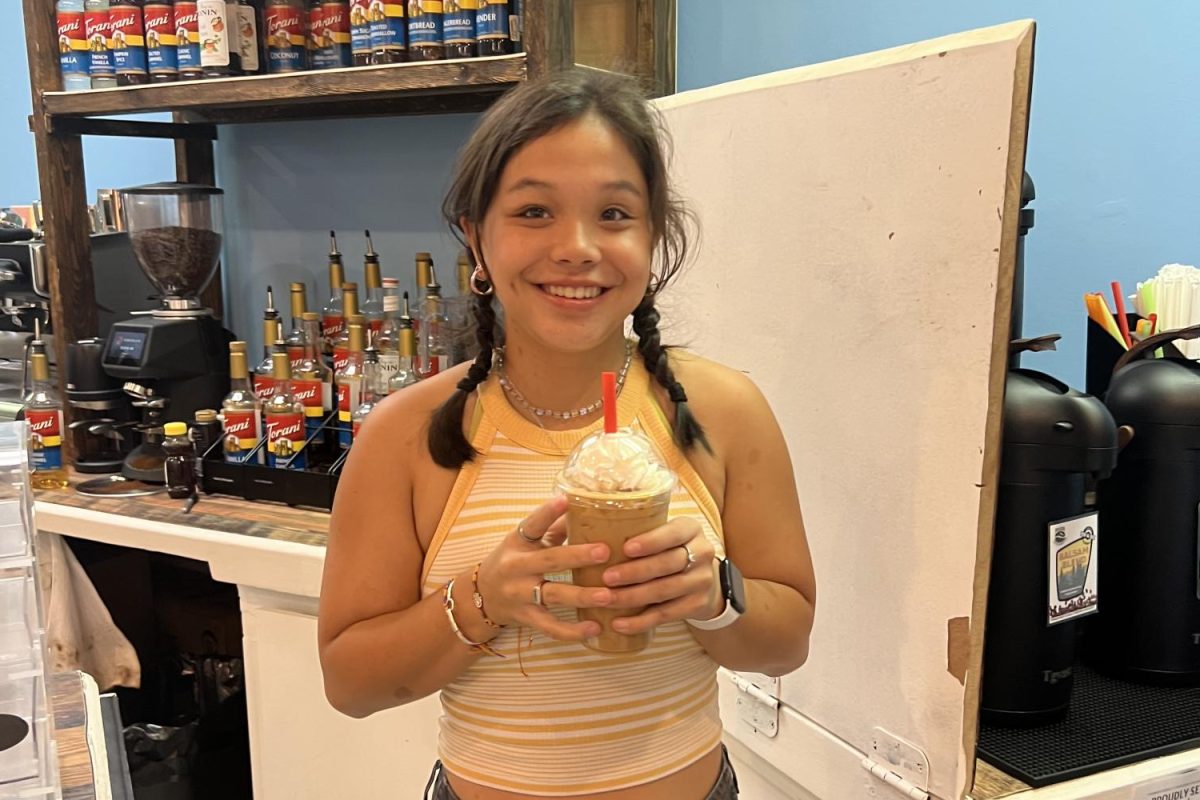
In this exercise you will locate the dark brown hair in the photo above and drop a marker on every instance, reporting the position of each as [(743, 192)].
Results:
[(527, 113)]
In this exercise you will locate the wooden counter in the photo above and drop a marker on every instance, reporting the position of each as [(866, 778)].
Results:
[(213, 512)]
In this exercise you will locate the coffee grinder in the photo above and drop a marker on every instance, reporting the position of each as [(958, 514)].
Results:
[(173, 359)]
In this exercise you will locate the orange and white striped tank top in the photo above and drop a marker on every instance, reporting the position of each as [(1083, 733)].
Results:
[(576, 722)]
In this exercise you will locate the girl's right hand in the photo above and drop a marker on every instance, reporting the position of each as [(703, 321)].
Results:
[(512, 577)]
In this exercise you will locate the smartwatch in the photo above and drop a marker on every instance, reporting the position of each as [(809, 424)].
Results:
[(733, 588)]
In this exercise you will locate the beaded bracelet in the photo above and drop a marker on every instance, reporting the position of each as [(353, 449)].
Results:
[(448, 604), (477, 598)]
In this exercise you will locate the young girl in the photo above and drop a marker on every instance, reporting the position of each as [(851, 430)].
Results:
[(443, 537)]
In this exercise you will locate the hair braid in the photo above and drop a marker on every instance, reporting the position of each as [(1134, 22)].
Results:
[(447, 444), (687, 429)]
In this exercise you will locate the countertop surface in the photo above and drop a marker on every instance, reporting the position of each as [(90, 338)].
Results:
[(213, 512)]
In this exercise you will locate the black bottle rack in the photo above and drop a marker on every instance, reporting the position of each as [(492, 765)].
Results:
[(312, 486)]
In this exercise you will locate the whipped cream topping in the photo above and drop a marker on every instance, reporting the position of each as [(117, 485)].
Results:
[(624, 461)]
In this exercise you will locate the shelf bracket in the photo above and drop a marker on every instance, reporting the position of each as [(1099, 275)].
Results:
[(95, 126)]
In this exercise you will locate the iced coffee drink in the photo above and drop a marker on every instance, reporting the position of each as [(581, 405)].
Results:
[(616, 487)]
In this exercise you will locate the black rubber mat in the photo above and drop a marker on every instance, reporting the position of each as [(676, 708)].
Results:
[(1111, 723)]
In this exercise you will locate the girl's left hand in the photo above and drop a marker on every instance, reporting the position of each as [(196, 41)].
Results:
[(661, 576)]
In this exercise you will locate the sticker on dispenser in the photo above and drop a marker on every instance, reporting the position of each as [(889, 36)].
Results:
[(1074, 556)]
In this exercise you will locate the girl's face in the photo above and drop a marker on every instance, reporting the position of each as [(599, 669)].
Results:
[(567, 240)]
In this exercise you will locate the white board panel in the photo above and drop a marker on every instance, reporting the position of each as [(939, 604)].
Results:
[(857, 222)]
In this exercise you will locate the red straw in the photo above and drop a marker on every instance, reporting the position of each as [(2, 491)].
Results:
[(1153, 323), (1122, 320), (608, 387)]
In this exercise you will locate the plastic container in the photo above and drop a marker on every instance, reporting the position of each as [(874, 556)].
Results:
[(29, 767), (180, 464)]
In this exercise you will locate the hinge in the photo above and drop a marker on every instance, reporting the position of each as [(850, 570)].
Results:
[(899, 763), (756, 706), (894, 780)]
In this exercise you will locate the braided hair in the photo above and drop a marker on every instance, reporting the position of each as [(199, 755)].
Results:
[(446, 441), (687, 430), (521, 116)]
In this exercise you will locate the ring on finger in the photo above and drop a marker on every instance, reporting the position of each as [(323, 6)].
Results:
[(525, 536), (691, 558), (538, 600)]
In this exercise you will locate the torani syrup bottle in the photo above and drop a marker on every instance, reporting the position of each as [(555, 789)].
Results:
[(332, 315), (389, 40), (264, 373), (44, 415), (458, 28), (341, 347), (128, 39), (349, 380), (239, 410), (295, 339), (372, 307), (162, 41), (425, 30), (360, 33), (98, 28), (187, 40), (491, 28), (284, 415), (312, 381), (73, 56), (434, 349)]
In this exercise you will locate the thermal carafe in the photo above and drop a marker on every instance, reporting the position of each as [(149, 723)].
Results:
[(1148, 628), (1054, 439)]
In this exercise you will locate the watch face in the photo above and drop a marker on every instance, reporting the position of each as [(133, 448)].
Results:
[(732, 586)]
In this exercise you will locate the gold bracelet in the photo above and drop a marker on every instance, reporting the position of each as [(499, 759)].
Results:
[(477, 598), (448, 604)]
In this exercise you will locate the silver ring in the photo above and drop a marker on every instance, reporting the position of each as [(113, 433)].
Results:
[(691, 558), (521, 533), (537, 594)]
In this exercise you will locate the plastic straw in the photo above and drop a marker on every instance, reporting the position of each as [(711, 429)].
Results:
[(1122, 320), (608, 386)]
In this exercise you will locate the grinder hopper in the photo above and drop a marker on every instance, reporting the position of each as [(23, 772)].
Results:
[(175, 230)]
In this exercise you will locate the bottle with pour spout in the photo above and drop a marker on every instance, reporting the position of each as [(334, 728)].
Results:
[(332, 315), (406, 373), (434, 349), (349, 379), (372, 306), (240, 419), (264, 380), (44, 415), (295, 339), (312, 381), (374, 389), (284, 416), (387, 340), (341, 347)]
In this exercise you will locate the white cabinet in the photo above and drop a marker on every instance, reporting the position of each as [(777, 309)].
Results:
[(300, 747)]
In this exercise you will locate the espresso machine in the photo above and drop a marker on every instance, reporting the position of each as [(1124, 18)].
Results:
[(173, 359)]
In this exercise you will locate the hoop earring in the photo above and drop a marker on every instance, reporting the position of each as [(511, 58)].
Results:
[(479, 279)]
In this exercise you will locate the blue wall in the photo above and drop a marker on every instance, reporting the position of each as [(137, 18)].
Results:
[(110, 162), (1112, 147), (1114, 130), (294, 182)]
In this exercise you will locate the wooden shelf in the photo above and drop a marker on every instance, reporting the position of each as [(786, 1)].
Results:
[(430, 87)]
